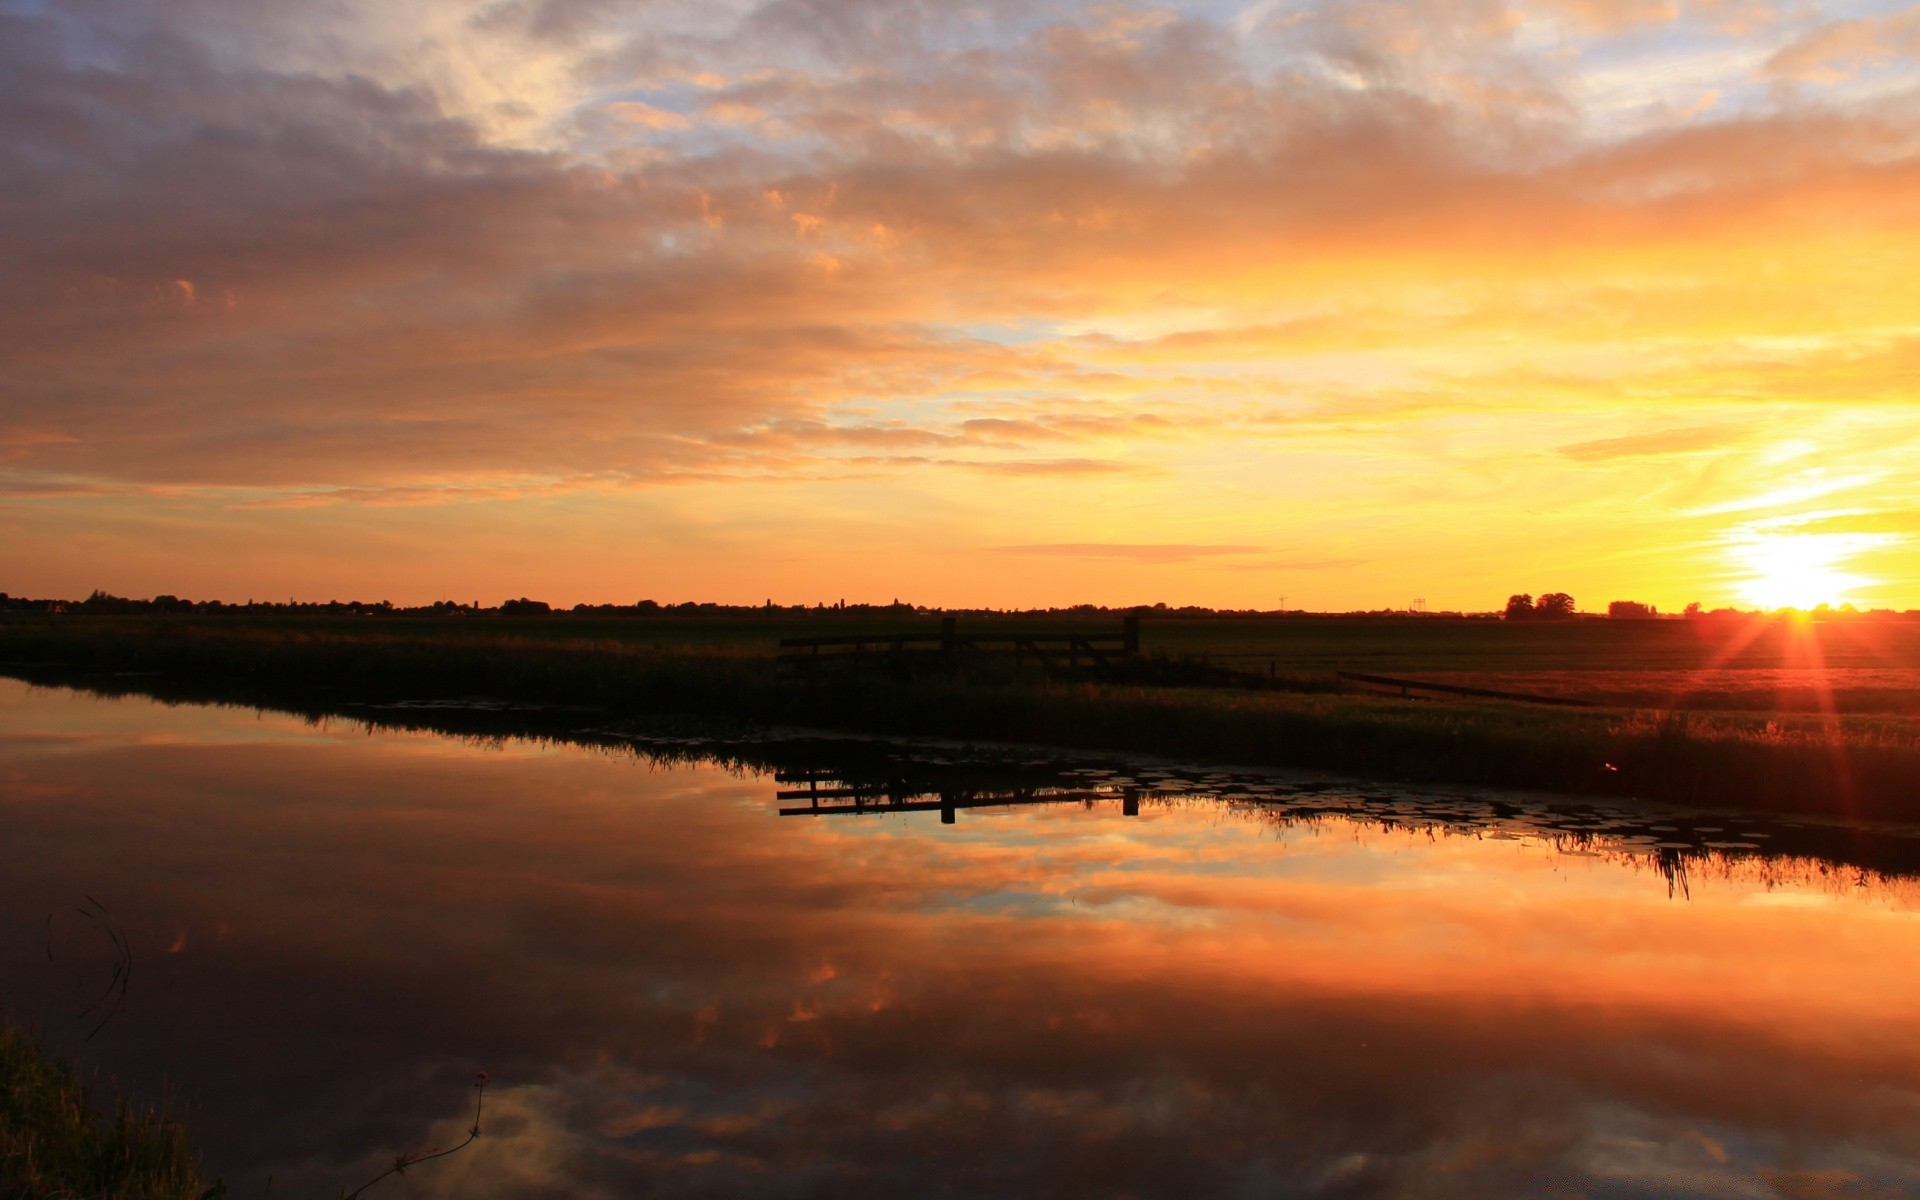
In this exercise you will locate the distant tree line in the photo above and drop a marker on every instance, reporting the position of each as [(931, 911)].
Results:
[(101, 602), (105, 603), (1554, 606), (1558, 606)]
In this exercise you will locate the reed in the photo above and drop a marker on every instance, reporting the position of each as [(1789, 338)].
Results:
[(53, 1143)]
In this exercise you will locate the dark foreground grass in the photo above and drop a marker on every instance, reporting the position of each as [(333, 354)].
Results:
[(1867, 765), (55, 1146)]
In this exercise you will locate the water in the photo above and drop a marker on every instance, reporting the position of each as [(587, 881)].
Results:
[(1256, 986)]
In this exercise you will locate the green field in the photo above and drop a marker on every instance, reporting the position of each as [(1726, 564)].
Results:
[(1809, 715)]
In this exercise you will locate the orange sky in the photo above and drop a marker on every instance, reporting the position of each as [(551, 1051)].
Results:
[(1350, 302)]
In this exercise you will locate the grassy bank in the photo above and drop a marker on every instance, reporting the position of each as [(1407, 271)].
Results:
[(53, 1144), (1862, 763)]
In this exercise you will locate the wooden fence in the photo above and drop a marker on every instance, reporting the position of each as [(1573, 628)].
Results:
[(1409, 686)]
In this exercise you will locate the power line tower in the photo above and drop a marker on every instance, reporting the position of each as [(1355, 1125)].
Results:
[(1419, 605)]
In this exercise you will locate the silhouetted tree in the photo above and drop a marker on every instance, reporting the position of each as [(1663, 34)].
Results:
[(1520, 608), (1554, 606)]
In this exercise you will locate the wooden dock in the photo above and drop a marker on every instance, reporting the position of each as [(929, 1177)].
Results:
[(874, 801)]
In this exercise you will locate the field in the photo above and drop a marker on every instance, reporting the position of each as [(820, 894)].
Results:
[(1782, 714), (1846, 666), (1294, 642), (1771, 666)]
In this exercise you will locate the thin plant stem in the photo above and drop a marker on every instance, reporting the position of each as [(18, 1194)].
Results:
[(404, 1161)]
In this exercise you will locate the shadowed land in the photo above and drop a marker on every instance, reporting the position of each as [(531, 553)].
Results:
[(1767, 714)]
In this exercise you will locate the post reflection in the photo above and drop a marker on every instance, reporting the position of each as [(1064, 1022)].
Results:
[(1142, 986)]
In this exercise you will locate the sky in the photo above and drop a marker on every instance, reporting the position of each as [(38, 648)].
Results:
[(1349, 303)]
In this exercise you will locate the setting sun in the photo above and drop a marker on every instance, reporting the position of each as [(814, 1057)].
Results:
[(1800, 571)]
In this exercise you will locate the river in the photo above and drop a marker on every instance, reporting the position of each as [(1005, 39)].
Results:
[(1082, 978)]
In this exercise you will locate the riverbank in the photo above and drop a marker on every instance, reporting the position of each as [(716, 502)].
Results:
[(53, 1143), (1864, 764)]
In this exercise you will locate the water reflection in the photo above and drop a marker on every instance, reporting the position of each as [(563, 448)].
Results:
[(1254, 985), (865, 779)]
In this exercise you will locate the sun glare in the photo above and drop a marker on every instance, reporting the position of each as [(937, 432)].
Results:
[(1800, 571)]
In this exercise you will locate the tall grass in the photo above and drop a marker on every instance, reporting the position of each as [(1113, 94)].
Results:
[(1850, 766), (54, 1145)]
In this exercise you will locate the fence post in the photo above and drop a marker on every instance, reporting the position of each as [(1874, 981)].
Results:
[(949, 636), (1130, 635)]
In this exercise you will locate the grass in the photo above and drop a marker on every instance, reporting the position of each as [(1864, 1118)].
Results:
[(55, 1146), (1863, 762)]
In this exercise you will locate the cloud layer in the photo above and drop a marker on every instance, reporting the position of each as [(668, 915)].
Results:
[(1332, 275)]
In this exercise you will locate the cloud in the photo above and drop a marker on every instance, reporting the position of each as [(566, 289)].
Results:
[(1299, 564), (1836, 50), (1671, 441), (372, 255), (1902, 523), (635, 112), (1051, 466), (1157, 552), (1614, 16)]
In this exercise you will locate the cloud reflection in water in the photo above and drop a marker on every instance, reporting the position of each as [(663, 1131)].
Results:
[(680, 993)]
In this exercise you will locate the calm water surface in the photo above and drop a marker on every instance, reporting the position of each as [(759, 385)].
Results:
[(1255, 986)]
